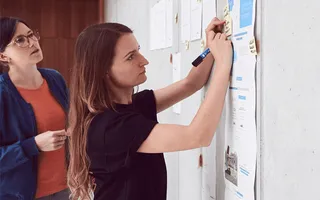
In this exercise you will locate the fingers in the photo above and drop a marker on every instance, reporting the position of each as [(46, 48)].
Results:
[(59, 133), (58, 145), (59, 138), (218, 35), (223, 36), (211, 35), (215, 25)]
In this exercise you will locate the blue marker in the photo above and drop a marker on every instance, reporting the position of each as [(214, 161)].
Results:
[(200, 58)]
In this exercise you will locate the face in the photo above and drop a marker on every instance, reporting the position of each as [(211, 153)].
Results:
[(128, 69), (20, 52)]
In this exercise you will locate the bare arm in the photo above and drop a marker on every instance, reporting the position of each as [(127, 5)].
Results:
[(167, 138), (197, 77)]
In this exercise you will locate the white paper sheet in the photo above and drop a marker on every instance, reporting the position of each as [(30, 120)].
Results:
[(196, 13), (161, 25), (240, 127), (208, 13), (169, 23), (185, 20)]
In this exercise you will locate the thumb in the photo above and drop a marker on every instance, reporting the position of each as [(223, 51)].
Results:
[(211, 35), (218, 22), (68, 132)]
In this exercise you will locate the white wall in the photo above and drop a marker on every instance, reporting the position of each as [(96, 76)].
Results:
[(288, 99), (290, 96)]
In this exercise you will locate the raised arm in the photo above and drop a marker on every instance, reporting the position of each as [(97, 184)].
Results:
[(167, 138), (197, 77)]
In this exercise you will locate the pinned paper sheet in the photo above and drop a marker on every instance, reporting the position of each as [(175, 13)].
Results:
[(208, 13), (185, 20), (252, 46), (161, 25), (195, 26)]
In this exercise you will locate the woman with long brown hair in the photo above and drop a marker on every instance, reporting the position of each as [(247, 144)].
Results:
[(115, 137)]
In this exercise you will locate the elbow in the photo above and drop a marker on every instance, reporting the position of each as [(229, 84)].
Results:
[(205, 138), (201, 136), (200, 140), (205, 142)]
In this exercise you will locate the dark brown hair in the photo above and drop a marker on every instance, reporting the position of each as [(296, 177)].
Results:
[(8, 26), (89, 95)]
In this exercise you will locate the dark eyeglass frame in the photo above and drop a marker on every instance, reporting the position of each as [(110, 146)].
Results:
[(34, 35)]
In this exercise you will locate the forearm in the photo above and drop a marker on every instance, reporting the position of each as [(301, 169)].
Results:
[(12, 156), (198, 76), (208, 116)]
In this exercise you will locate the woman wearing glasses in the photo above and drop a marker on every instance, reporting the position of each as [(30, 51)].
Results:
[(33, 107)]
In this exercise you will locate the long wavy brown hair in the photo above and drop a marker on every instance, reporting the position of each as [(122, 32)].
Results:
[(90, 95)]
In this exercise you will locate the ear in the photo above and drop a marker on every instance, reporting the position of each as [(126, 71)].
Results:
[(4, 58)]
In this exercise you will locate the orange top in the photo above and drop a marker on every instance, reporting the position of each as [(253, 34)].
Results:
[(50, 116)]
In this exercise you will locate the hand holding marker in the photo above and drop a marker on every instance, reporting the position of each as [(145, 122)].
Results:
[(200, 58)]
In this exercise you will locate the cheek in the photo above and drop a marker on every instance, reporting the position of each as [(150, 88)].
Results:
[(17, 55), (124, 75)]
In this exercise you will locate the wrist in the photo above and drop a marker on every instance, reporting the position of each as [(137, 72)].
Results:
[(222, 69), (37, 142)]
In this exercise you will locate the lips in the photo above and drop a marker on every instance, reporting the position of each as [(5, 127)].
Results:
[(35, 51)]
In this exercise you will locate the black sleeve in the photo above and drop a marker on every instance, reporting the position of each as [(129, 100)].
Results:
[(127, 132), (145, 102)]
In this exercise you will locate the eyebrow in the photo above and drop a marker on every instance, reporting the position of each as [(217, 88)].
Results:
[(130, 53), (30, 31)]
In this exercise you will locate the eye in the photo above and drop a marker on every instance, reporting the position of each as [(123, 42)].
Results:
[(20, 40), (130, 57), (31, 35)]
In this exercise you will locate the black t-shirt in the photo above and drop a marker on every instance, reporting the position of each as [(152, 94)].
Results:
[(120, 172)]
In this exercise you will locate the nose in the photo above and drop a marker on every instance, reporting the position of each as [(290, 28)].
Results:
[(31, 42), (144, 61)]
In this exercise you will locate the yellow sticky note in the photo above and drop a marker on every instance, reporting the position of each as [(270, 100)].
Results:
[(252, 46), (227, 17), (226, 10), (228, 26), (187, 45), (202, 44)]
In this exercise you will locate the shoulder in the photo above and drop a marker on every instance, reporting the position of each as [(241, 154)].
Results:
[(51, 74), (106, 118), (110, 120), (3, 87), (145, 94), (145, 102)]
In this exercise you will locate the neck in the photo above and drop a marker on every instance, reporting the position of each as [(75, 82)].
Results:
[(122, 95), (27, 77)]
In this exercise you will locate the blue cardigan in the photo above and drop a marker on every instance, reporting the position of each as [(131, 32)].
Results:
[(18, 150)]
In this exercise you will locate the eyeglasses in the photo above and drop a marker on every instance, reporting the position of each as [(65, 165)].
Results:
[(23, 41)]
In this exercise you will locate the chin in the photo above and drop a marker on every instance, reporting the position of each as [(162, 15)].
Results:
[(144, 79), (38, 59)]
